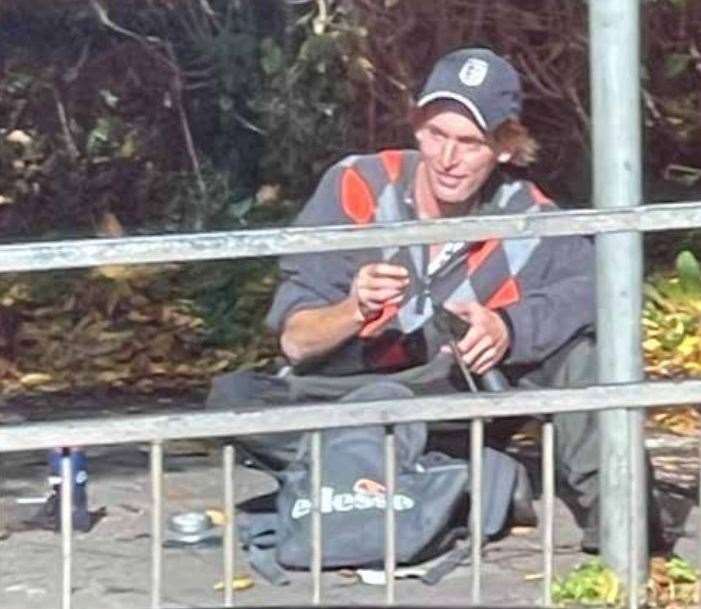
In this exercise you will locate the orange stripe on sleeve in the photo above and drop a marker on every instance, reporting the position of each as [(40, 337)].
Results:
[(507, 294), (356, 197), (392, 160), (388, 313), (479, 253)]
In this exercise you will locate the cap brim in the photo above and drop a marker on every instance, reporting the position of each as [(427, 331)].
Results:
[(468, 103)]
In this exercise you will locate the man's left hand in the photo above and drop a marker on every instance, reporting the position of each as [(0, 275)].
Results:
[(487, 340)]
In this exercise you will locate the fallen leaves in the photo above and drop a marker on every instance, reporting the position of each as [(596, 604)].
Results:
[(681, 420), (591, 583), (34, 379), (243, 582), (672, 336), (133, 331), (673, 583)]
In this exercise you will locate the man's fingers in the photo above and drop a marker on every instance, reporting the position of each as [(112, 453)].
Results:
[(485, 361), (464, 309), (473, 336), (382, 269), (372, 305), (381, 295), (384, 283), (399, 298), (471, 356)]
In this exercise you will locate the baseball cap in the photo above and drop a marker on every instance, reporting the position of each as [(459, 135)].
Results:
[(486, 84)]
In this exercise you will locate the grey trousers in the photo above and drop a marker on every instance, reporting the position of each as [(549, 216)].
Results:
[(577, 443)]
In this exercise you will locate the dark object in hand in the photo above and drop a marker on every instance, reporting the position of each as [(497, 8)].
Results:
[(456, 328)]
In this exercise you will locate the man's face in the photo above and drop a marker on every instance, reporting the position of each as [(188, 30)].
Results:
[(457, 155)]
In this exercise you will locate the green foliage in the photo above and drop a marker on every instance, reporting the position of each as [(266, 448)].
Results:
[(96, 118), (681, 571), (232, 299), (307, 101), (689, 273), (671, 320), (590, 583)]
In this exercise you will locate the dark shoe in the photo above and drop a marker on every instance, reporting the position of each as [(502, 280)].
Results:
[(590, 541), (522, 512), (590, 529), (48, 516)]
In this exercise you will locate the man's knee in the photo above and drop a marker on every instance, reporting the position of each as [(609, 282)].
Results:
[(380, 390), (574, 365), (246, 389)]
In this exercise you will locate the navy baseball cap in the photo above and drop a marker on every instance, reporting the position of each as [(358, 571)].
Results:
[(486, 84)]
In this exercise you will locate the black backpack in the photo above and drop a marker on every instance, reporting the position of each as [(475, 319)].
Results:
[(430, 500)]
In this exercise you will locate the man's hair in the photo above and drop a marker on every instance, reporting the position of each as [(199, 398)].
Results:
[(514, 137)]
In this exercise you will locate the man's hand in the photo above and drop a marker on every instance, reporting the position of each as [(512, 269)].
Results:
[(486, 341), (377, 285)]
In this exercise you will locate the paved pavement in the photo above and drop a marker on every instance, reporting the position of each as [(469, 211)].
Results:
[(112, 562)]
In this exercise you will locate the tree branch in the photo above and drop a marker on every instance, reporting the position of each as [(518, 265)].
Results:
[(63, 119), (177, 87)]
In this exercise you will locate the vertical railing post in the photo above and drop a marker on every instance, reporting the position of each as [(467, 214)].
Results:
[(617, 182), (67, 477), (390, 516), (156, 466), (229, 545), (548, 471), (316, 529), (698, 522), (476, 500)]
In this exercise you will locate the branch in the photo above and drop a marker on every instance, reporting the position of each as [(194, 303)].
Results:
[(73, 72), (63, 119), (579, 107), (176, 84), (107, 22), (535, 80), (207, 9), (104, 18)]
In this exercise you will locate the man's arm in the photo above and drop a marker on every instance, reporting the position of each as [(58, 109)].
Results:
[(310, 333), (558, 300), (557, 303)]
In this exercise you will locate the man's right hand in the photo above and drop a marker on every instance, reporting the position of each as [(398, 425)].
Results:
[(377, 285), (310, 333)]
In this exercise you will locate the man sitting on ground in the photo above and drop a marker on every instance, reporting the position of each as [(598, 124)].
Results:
[(529, 302)]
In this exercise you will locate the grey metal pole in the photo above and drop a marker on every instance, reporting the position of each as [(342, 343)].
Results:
[(390, 516), (476, 516), (156, 463), (616, 153), (316, 532), (67, 477), (229, 545)]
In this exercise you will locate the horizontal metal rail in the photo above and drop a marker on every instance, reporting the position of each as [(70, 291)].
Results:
[(39, 256), (318, 416)]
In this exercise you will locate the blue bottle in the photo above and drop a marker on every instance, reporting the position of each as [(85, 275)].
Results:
[(79, 465)]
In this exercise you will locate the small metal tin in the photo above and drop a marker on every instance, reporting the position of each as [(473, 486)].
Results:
[(191, 527)]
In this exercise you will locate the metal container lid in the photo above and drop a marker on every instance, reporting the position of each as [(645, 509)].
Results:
[(191, 527)]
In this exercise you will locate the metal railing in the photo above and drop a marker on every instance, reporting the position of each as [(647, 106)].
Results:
[(272, 242), (617, 171), (157, 429)]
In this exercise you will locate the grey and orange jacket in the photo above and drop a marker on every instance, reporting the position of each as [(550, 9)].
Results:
[(544, 288)]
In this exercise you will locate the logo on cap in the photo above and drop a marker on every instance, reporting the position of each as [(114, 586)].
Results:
[(473, 72)]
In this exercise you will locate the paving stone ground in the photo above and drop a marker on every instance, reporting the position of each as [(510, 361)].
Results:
[(112, 562)]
